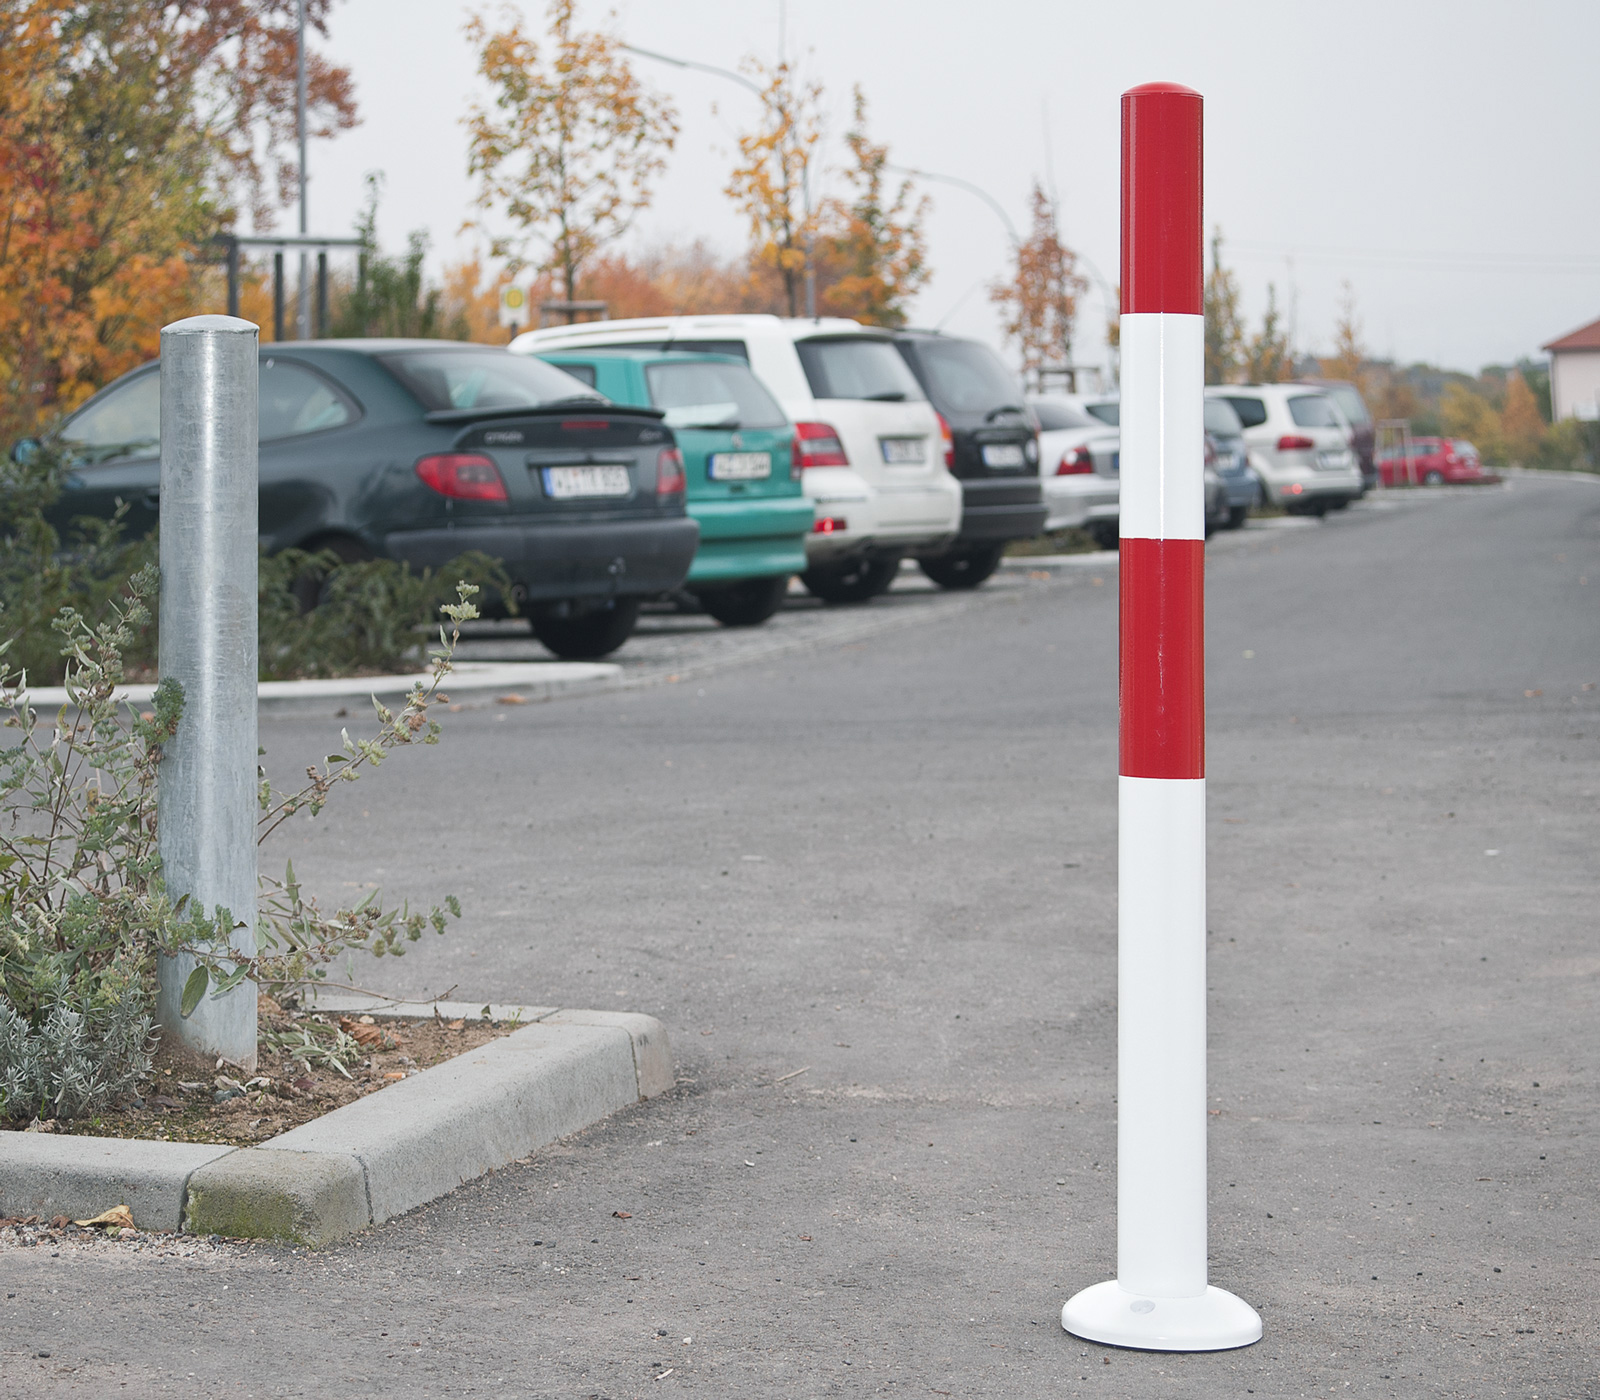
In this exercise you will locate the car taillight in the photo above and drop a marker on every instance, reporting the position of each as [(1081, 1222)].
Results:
[(463, 476), (1211, 452), (817, 445), (949, 440), (1289, 442), (829, 524), (670, 480), (1075, 462)]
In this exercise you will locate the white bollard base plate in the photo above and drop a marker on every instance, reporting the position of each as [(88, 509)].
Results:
[(1214, 1321)]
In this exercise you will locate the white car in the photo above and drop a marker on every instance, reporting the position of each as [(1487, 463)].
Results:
[(873, 452), (1079, 445), (1299, 444)]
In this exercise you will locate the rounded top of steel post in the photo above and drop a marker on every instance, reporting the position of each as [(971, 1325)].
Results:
[(212, 325), (1162, 160)]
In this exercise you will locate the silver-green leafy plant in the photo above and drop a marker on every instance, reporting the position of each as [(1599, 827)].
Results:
[(84, 916)]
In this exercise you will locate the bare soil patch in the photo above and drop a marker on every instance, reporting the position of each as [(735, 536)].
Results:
[(295, 1081)]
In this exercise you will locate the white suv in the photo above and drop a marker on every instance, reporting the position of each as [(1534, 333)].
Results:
[(1299, 443), (874, 454)]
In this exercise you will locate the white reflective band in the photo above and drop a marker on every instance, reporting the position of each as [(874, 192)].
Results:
[(1161, 1036), (1163, 426)]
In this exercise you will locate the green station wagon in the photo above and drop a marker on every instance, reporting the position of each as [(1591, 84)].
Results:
[(743, 483)]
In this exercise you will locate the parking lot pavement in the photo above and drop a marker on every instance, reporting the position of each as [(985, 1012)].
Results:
[(870, 888)]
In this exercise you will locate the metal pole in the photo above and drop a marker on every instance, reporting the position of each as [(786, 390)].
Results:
[(303, 307), (233, 275), (322, 294), (207, 785), (1160, 1299), (277, 295)]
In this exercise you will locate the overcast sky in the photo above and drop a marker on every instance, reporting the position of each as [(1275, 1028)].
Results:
[(1442, 157)]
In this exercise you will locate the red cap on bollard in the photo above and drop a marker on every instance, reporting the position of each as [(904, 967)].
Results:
[(1161, 200)]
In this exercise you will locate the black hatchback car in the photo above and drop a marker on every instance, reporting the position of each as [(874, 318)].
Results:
[(993, 450), (419, 450)]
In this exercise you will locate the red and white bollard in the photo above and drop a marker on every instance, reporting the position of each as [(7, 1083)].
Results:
[(1160, 1299)]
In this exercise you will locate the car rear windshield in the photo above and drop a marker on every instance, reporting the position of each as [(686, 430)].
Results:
[(966, 377), (1106, 412), (1351, 404), (708, 394), (857, 368), (1221, 419), (445, 379), (1252, 412), (1053, 415), (1314, 411)]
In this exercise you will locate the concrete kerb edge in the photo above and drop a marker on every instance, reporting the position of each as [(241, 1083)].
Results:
[(313, 1185)]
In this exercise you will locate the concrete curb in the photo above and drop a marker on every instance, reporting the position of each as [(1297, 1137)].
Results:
[(535, 679), (384, 1154)]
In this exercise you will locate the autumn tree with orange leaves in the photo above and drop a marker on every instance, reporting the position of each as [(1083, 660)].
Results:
[(128, 131), (571, 143), (1039, 301), (770, 182), (879, 256)]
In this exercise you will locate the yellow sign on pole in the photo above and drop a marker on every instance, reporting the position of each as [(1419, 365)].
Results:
[(513, 305)]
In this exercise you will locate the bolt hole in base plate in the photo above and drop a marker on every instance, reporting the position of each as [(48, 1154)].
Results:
[(1213, 1321)]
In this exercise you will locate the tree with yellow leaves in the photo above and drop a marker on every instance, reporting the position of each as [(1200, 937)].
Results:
[(570, 144), (1039, 301), (771, 182), (1268, 357), (1224, 326), (1522, 427), (879, 255)]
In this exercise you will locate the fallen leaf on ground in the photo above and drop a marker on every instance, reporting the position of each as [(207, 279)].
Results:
[(458, 1025), (60, 1222), (511, 700), (362, 1034), (623, 1214), (117, 1215)]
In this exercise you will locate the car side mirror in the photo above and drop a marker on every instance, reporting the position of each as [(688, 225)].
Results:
[(25, 451)]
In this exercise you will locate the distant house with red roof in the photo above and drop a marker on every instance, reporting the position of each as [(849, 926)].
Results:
[(1575, 373)]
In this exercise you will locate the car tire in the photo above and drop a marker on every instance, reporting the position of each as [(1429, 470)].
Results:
[(746, 603), (1339, 505), (1106, 534), (963, 568), (589, 634), (1237, 516), (1433, 478), (310, 586), (853, 581)]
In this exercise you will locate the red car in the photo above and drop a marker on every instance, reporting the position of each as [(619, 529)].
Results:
[(1435, 462)]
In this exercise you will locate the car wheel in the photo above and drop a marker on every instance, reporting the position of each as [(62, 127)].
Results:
[(310, 587), (963, 568), (1237, 516), (584, 635), (1106, 534), (747, 603), (1338, 505), (1433, 478), (854, 581)]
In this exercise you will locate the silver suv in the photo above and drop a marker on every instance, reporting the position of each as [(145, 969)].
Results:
[(1299, 444)]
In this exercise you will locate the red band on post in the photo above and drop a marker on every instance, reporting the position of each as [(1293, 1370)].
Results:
[(1161, 203), (1163, 658)]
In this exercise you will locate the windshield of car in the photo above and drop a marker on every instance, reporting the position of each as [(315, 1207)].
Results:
[(1054, 415), (857, 368), (706, 394), (1106, 412), (1314, 411), (1351, 404), (1464, 448), (966, 377), (1221, 419), (123, 422), (483, 378)]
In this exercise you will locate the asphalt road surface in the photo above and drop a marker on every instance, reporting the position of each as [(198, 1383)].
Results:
[(869, 885)]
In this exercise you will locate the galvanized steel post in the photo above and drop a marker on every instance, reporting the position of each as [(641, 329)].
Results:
[(209, 511), (1161, 1299)]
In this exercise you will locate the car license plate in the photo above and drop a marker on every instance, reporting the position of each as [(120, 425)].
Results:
[(904, 452), (740, 466), (1002, 454), (1332, 461), (571, 483)]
